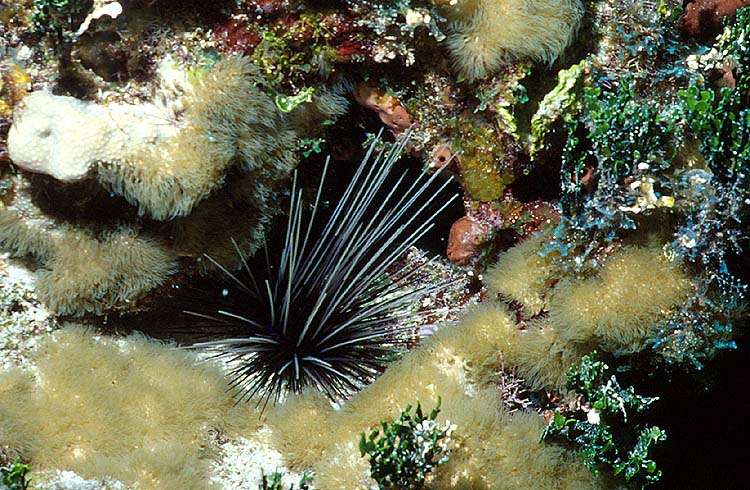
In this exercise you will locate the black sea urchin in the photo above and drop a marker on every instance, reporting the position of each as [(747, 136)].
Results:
[(326, 314)]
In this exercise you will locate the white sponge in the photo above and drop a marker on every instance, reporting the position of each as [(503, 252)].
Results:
[(64, 137)]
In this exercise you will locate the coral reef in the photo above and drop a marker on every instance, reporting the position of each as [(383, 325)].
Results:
[(44, 122), (83, 270), (603, 436), (543, 356), (621, 306), (163, 157), (490, 441), (95, 274), (228, 123), (22, 318), (325, 318), (620, 309), (704, 18), (160, 171), (522, 275), (14, 84)]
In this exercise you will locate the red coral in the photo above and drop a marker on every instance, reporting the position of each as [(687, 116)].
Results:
[(349, 48), (703, 19), (345, 36), (235, 37)]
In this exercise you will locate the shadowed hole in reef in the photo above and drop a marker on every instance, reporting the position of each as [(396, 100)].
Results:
[(704, 413), (86, 202), (707, 416), (165, 318)]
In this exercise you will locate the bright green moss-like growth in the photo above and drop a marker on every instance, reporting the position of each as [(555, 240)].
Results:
[(14, 476), (616, 153), (625, 131), (720, 119), (558, 104)]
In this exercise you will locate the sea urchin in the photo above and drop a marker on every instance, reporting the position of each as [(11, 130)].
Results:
[(329, 313)]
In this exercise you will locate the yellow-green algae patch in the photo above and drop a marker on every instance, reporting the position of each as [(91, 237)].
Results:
[(481, 157), (133, 410)]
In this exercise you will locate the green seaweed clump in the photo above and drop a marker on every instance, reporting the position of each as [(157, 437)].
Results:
[(642, 41), (678, 163), (58, 16), (14, 476), (408, 449), (713, 196), (613, 153), (273, 482), (600, 427), (59, 19)]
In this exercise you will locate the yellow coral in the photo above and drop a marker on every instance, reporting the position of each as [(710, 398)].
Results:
[(15, 385), (522, 275), (22, 238), (228, 122), (484, 333), (542, 358), (342, 468), (418, 376), (82, 272), (89, 274), (492, 449), (488, 33), (526, 463), (299, 428), (479, 420), (622, 305), (24, 229), (131, 409)]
